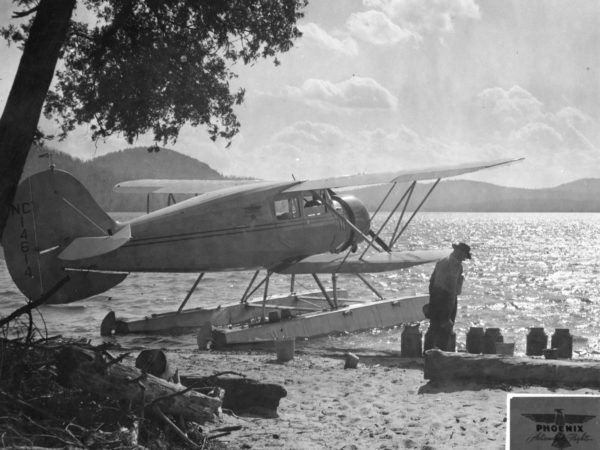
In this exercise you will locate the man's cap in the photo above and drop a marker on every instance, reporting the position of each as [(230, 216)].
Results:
[(463, 248)]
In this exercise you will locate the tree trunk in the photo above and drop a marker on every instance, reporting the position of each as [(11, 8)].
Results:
[(21, 115), (440, 366), (88, 371)]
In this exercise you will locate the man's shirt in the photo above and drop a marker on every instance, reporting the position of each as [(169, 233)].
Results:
[(447, 275)]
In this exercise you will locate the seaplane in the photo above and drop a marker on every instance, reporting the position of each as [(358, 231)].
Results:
[(61, 245)]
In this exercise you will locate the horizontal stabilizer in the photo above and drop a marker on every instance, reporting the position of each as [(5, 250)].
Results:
[(380, 262), (88, 247)]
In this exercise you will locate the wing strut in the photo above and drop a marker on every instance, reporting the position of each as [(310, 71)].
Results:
[(375, 291), (189, 294), (380, 241), (247, 292), (383, 200), (350, 224), (412, 190), (334, 287), (265, 293), (344, 260), (331, 304), (408, 192), (394, 239)]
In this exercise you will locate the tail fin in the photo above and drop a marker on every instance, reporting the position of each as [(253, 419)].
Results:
[(50, 211)]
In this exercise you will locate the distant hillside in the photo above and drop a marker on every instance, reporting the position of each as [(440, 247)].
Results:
[(473, 196), (100, 174)]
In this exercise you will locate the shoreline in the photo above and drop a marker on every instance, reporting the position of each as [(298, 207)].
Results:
[(383, 404)]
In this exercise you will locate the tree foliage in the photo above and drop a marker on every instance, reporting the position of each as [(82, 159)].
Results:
[(138, 66), (154, 65)]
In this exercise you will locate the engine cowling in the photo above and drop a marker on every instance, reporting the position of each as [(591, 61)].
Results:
[(356, 213)]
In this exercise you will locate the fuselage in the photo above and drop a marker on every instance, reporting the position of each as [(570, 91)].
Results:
[(239, 228)]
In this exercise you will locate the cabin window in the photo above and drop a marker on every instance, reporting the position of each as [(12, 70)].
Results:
[(287, 208), (313, 205)]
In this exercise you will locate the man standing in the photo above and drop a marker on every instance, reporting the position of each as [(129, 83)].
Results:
[(445, 285)]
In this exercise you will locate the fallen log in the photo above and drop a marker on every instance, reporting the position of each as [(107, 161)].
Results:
[(90, 371), (441, 366), (243, 396)]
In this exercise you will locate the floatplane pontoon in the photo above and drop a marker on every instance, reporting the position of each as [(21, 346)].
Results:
[(303, 314)]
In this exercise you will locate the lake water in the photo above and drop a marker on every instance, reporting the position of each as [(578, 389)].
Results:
[(528, 269)]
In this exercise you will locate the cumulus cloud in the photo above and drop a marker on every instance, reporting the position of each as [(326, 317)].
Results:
[(376, 28), (310, 134), (427, 15), (310, 149), (356, 92), (344, 45), (306, 149), (537, 136), (573, 116), (402, 141), (515, 104), (516, 119)]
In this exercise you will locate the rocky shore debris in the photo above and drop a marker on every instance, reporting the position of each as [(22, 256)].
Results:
[(351, 361), (57, 393)]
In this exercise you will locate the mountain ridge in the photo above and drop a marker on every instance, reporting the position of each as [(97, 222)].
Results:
[(100, 174)]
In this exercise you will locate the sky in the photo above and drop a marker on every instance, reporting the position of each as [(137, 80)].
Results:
[(382, 85)]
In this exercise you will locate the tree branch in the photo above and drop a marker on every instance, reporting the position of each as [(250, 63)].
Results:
[(21, 14), (32, 305)]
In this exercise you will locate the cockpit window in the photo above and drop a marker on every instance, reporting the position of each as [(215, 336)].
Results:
[(313, 203), (287, 208)]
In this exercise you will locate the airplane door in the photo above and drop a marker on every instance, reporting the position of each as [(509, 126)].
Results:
[(342, 230)]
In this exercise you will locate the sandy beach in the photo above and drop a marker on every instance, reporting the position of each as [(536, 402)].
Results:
[(383, 404)]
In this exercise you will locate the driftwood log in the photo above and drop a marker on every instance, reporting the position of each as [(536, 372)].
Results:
[(243, 396), (89, 371), (512, 370)]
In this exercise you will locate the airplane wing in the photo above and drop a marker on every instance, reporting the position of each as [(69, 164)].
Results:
[(146, 186), (402, 176), (380, 262), (176, 186)]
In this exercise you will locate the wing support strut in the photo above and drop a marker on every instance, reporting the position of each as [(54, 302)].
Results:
[(383, 200), (190, 292), (265, 293), (331, 304), (404, 208), (334, 287), (375, 291), (395, 238), (247, 292), (346, 221), (408, 193)]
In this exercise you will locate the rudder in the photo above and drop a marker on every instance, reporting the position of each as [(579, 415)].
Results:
[(50, 209)]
